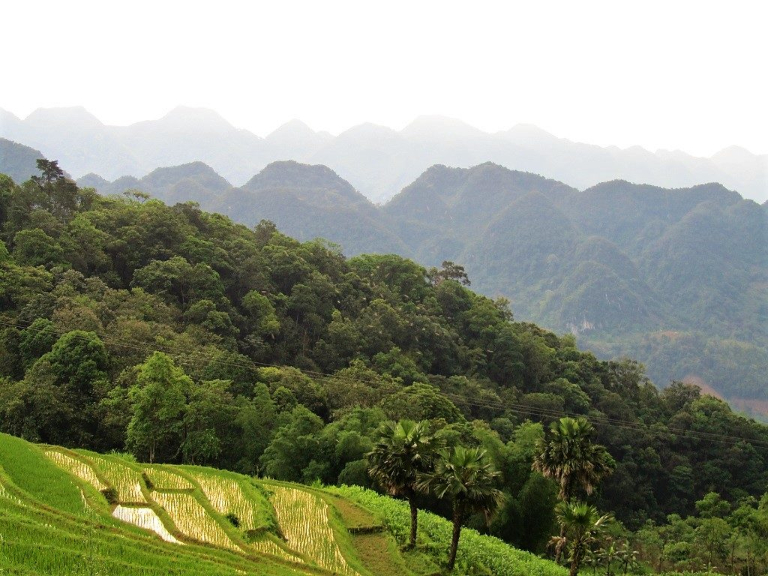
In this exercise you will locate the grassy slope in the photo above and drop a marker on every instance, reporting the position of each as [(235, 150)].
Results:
[(477, 553), (51, 522)]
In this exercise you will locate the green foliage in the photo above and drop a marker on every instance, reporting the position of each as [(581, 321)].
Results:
[(158, 405), (233, 519), (466, 477), (569, 456), (35, 248), (581, 524), (402, 451), (293, 447)]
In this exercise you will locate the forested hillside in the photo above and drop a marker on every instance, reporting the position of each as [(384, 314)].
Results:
[(180, 336), (673, 278), (18, 161)]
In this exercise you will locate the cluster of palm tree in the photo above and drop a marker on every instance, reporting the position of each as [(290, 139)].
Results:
[(569, 456), (407, 459)]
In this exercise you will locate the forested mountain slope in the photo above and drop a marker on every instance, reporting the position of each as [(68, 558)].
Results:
[(18, 161), (674, 278), (282, 358)]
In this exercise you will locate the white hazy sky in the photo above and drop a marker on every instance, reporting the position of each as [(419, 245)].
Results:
[(671, 74)]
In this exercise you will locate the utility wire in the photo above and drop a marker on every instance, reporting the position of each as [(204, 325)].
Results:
[(194, 359)]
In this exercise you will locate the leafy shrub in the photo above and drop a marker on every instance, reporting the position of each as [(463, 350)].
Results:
[(110, 493), (233, 519)]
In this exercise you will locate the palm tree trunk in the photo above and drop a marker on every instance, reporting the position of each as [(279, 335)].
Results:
[(414, 520), (565, 496), (454, 539), (575, 561), (559, 548)]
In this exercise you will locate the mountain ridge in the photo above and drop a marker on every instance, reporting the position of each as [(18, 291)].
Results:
[(378, 161)]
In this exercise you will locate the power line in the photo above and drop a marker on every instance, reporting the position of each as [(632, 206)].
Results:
[(517, 408)]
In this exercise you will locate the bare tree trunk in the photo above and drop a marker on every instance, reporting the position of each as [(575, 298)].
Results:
[(575, 563)]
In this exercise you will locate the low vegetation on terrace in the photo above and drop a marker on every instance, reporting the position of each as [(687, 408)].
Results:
[(304, 520)]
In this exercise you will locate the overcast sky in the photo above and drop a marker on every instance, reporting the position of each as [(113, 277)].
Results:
[(671, 74)]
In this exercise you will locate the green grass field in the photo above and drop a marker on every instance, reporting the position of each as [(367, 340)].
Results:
[(188, 520)]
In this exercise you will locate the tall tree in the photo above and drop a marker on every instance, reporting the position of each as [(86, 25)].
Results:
[(581, 523), (568, 455), (466, 477), (402, 451), (158, 404)]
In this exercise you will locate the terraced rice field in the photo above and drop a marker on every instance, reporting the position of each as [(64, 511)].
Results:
[(76, 467), (144, 518), (123, 478), (267, 546), (45, 528), (8, 496), (192, 519), (164, 480), (303, 518), (227, 496)]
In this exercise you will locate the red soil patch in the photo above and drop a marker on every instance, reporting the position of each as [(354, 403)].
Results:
[(757, 408), (703, 386)]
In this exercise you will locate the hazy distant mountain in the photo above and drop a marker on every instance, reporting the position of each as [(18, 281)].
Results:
[(295, 140), (77, 139), (17, 161), (377, 161)]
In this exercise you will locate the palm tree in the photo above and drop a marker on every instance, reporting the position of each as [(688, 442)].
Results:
[(464, 475), (570, 457), (580, 523), (401, 452)]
